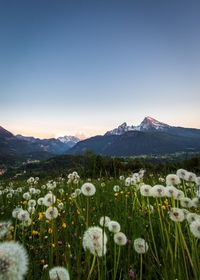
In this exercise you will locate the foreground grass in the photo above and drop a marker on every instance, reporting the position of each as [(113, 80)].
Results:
[(173, 251)]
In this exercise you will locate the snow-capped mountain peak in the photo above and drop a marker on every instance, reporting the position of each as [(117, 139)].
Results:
[(121, 129), (148, 124), (70, 140)]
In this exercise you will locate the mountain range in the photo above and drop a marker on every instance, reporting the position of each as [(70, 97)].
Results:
[(14, 146), (150, 137)]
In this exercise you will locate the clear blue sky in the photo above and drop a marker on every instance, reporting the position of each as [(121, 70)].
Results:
[(85, 65)]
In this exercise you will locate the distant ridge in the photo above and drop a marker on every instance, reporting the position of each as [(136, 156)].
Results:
[(150, 137)]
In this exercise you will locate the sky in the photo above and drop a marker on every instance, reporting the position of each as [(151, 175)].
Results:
[(71, 67)]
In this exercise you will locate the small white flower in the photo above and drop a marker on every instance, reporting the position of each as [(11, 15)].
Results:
[(51, 213), (59, 273), (114, 226), (140, 246), (145, 190), (176, 215), (195, 228), (120, 238), (88, 189), (172, 179)]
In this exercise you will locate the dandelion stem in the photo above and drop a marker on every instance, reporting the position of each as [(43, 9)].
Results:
[(92, 267)]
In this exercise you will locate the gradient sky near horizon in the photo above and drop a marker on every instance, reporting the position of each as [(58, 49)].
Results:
[(71, 66)]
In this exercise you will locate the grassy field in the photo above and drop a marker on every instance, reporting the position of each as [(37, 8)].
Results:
[(62, 223)]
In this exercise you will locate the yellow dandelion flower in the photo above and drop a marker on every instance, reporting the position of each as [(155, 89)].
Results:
[(50, 230), (64, 225)]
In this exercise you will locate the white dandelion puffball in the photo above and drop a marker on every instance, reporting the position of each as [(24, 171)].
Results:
[(104, 220), (182, 174), (192, 177), (172, 179), (157, 191), (140, 246), (95, 240), (13, 261), (195, 228), (27, 196), (171, 191), (176, 215), (16, 211), (192, 217), (186, 202), (120, 238), (40, 201), (51, 213), (88, 189), (23, 215), (145, 190), (114, 226), (180, 194), (32, 203), (49, 199), (4, 228), (196, 202), (116, 188), (59, 272)]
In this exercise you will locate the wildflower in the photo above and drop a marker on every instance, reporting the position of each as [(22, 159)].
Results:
[(73, 195), (4, 228), (30, 180), (16, 211), (128, 181), (77, 191), (196, 202), (51, 213), (192, 177), (179, 195), (95, 240), (171, 191), (176, 214), (172, 179), (32, 190), (198, 181), (64, 225), (191, 217), (60, 205), (32, 203), (121, 178), (13, 261), (23, 215), (26, 196), (195, 228), (49, 199), (40, 201), (26, 223), (145, 190), (186, 202), (157, 191), (116, 188), (104, 220), (182, 174), (114, 226), (88, 189), (59, 272), (140, 246), (120, 238)]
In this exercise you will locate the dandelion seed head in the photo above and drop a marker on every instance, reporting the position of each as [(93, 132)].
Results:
[(59, 273), (120, 238), (88, 189), (140, 246)]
